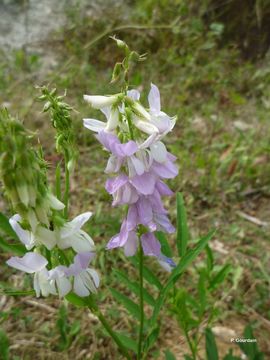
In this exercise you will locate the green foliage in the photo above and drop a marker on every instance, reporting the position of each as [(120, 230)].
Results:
[(130, 305), (4, 345), (134, 287), (66, 329), (182, 227), (184, 262), (169, 355), (211, 346), (5, 226), (9, 246), (250, 349)]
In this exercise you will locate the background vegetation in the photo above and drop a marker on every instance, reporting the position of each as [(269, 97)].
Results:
[(211, 62)]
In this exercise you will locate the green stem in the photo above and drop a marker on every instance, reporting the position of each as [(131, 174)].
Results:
[(130, 126), (95, 310), (67, 184), (58, 181), (193, 351), (139, 354)]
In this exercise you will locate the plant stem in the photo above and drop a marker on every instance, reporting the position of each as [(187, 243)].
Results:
[(95, 310), (190, 344), (67, 184), (139, 354)]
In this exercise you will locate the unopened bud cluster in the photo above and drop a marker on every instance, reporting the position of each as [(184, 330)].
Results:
[(61, 121), (57, 251), (23, 172)]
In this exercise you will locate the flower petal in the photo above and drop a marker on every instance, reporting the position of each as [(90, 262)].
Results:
[(94, 125), (144, 183), (131, 245), (46, 237), (154, 99), (75, 225), (25, 236), (98, 101), (151, 246), (133, 94), (159, 152), (31, 262)]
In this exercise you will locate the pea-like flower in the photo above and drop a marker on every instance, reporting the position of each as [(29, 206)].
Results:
[(139, 162)]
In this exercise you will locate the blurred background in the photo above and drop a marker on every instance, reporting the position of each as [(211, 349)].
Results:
[(211, 61)]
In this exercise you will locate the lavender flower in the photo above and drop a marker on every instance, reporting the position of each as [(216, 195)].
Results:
[(139, 161)]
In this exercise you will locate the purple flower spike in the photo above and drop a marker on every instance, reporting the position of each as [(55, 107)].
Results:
[(140, 164)]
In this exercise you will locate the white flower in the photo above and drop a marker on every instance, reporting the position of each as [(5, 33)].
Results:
[(86, 280), (25, 236), (71, 235), (112, 115), (34, 263), (162, 121), (30, 239), (42, 284), (99, 102), (59, 280)]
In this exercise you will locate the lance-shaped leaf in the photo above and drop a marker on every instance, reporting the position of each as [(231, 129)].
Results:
[(220, 276), (184, 262), (128, 342), (210, 345), (76, 300), (135, 287), (165, 247), (151, 338), (130, 305), (182, 227), (250, 348)]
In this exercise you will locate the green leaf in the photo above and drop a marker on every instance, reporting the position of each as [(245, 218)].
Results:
[(210, 259), (14, 248), (148, 275), (182, 227), (17, 292), (127, 342), (4, 345), (165, 247), (202, 291), (250, 348), (184, 262), (130, 305), (151, 339), (169, 355), (76, 300), (220, 276), (211, 346), (6, 228), (134, 287), (230, 356)]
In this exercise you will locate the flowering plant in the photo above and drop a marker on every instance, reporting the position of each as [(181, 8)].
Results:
[(55, 249)]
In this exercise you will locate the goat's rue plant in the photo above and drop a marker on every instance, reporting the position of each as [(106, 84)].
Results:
[(55, 250)]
